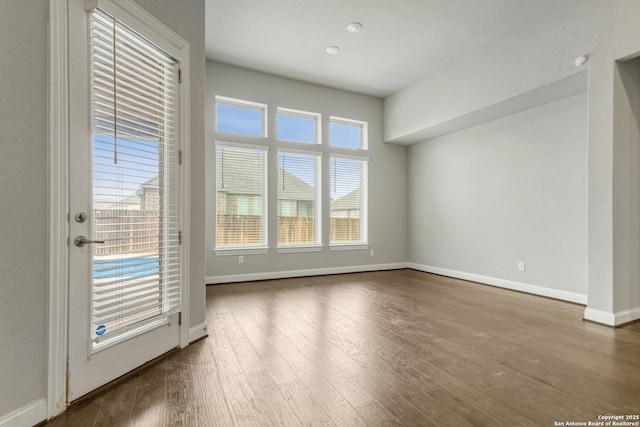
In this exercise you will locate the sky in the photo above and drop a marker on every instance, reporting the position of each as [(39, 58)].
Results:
[(345, 174), (137, 163)]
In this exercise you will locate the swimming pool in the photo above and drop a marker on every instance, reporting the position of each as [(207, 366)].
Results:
[(130, 267)]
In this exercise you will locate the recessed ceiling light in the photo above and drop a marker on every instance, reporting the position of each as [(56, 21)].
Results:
[(354, 27), (333, 50)]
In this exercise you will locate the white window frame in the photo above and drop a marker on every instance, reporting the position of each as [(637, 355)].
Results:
[(364, 132), (317, 245), (243, 104), (317, 117), (364, 204), (263, 247)]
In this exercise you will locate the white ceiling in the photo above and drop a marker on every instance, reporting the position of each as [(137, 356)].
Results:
[(401, 42)]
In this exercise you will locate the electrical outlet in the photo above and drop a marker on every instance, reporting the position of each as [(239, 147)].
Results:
[(371, 253), (241, 259), (522, 266)]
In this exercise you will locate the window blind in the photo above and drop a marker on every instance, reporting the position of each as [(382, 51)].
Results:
[(348, 200), (240, 195), (297, 198), (134, 94)]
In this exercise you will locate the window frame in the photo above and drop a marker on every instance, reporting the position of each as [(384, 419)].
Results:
[(364, 133), (317, 117), (252, 249), (235, 102), (317, 244), (363, 243)]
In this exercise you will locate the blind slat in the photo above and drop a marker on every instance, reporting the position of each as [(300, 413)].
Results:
[(297, 196), (121, 286), (346, 177), (240, 181)]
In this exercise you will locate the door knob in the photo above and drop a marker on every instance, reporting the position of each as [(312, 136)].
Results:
[(80, 241)]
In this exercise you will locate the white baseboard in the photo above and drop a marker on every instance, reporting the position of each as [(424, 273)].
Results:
[(27, 416), (197, 332), (612, 319), (626, 316), (502, 283), (599, 316), (232, 278)]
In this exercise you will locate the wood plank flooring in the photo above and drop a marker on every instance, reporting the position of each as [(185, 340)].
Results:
[(397, 348)]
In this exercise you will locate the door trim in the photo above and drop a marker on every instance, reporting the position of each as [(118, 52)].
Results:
[(58, 202), (58, 194)]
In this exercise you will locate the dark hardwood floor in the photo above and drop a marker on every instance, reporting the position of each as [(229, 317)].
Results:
[(381, 349)]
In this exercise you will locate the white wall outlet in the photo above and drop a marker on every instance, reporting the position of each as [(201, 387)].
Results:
[(241, 259), (522, 266), (371, 252)]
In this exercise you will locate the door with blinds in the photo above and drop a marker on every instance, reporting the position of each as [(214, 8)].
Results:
[(125, 239)]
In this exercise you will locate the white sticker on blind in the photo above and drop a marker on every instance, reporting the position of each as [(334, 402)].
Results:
[(136, 272)]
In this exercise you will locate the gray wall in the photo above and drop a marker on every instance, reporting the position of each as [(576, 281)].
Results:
[(627, 182), (535, 55), (23, 186), (509, 190), (387, 172), (23, 202)]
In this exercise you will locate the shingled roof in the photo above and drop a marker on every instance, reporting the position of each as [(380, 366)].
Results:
[(239, 176), (349, 201)]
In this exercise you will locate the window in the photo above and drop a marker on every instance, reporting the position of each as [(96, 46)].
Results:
[(346, 133), (240, 117), (249, 204), (348, 201), (240, 195), (287, 208), (298, 198), (295, 186), (134, 114), (297, 126)]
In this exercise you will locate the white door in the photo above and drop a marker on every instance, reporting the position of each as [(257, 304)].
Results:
[(124, 244)]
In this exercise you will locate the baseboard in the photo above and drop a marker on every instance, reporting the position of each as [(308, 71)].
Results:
[(232, 278), (612, 319), (599, 316), (27, 416), (197, 332), (627, 316), (502, 283)]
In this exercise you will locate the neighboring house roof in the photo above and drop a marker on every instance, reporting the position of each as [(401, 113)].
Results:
[(349, 201), (132, 202), (290, 187), (239, 176)]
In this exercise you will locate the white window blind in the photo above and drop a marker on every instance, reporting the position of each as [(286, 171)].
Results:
[(240, 195), (136, 272), (298, 198), (348, 180)]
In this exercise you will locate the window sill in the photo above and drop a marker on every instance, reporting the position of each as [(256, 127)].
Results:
[(302, 248), (348, 246), (254, 250)]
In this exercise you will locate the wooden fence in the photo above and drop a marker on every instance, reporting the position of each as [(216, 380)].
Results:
[(126, 231), (247, 229), (138, 230)]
